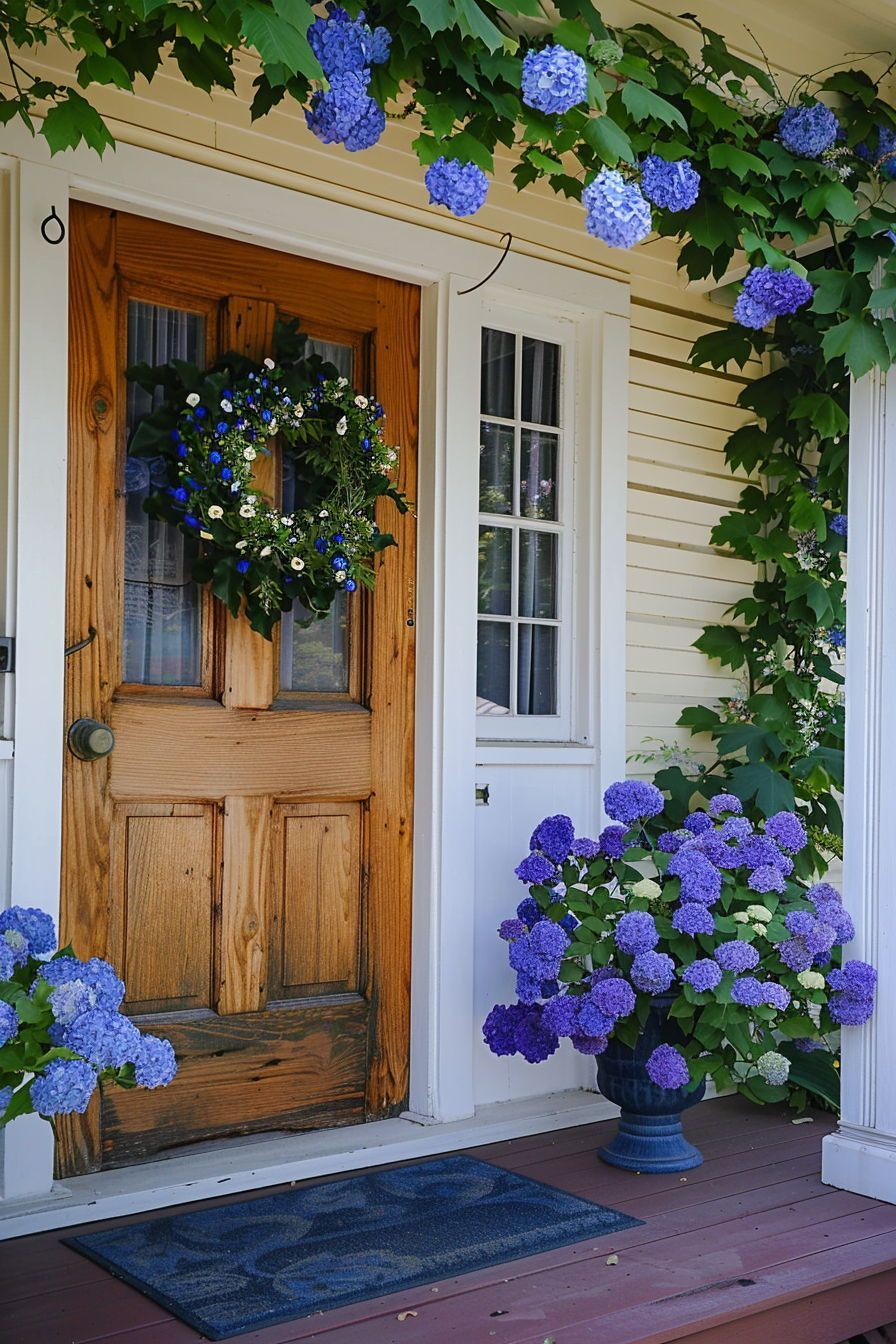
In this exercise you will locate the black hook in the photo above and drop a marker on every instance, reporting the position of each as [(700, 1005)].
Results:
[(495, 268), (45, 225), (81, 643)]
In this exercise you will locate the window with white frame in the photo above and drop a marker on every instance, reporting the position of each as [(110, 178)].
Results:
[(525, 533)]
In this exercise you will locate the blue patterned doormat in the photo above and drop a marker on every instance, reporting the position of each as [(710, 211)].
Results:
[(241, 1266)]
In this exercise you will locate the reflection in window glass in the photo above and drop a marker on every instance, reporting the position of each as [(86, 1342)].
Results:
[(538, 474), (162, 605), (493, 668), (538, 574), (316, 657), (495, 570), (540, 381), (495, 468), (498, 364)]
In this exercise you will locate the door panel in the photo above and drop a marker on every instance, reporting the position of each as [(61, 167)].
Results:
[(244, 855)]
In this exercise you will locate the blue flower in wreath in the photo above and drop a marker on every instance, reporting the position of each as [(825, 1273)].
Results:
[(242, 566), (226, 473), (320, 546), (339, 562), (338, 539), (180, 493), (350, 585), (190, 520), (200, 412), (222, 426), (266, 416), (214, 457)]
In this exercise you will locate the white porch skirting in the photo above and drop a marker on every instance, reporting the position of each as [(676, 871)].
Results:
[(862, 1160)]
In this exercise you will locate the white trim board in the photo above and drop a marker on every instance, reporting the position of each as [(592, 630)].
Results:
[(254, 1165)]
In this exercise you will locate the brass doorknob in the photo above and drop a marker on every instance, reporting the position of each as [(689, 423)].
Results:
[(88, 739)]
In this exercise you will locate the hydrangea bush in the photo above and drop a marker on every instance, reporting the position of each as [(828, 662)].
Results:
[(719, 916), (61, 1029)]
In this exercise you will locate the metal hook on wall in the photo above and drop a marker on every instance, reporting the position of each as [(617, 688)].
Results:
[(46, 225), (494, 271)]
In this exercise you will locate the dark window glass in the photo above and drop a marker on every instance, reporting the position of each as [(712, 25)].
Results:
[(537, 670), (495, 570), (538, 574), (540, 381), (498, 360), (538, 474), (493, 668)]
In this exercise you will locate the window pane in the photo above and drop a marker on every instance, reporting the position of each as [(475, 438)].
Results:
[(493, 668), (541, 380), (495, 468), (495, 552), (537, 670), (538, 574), (498, 356), (538, 474), (162, 605), (316, 658)]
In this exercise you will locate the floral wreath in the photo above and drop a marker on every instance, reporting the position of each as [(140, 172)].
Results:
[(209, 431)]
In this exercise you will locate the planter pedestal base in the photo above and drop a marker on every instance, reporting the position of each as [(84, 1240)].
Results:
[(650, 1143)]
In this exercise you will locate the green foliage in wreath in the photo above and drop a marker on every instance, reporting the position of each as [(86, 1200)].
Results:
[(208, 433)]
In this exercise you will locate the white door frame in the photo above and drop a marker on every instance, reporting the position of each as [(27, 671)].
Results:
[(162, 187)]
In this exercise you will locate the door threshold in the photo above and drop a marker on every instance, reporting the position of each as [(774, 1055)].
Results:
[(229, 1168)]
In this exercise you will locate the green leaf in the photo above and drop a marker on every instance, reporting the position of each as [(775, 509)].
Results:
[(472, 22), (645, 105), (732, 344), (739, 161), (278, 40), (860, 341), (724, 644), (608, 140), (437, 15), (722, 115), (572, 34), (773, 791), (835, 199), (19, 1104), (827, 418), (72, 120)]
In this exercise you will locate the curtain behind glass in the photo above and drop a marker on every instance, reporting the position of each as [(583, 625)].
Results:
[(162, 605)]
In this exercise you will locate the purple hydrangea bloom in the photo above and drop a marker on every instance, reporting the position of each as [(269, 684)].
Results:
[(799, 921), (616, 213), (333, 112), (700, 879), (537, 956), (632, 800), (9, 1022), (776, 996), (672, 186), (697, 822), (554, 80), (96, 973), (693, 918), (725, 802), (755, 851), (460, 187), (795, 954), (612, 841), (713, 846), (589, 1045), (559, 1015), (749, 991), (652, 972), (344, 45), (499, 1028), (839, 920), (766, 878), (590, 1019), (667, 1068), (670, 842), (884, 155), (106, 1039), (533, 1040), (736, 828), (583, 848), (553, 837), (786, 829), (613, 995), (529, 912), (65, 1086), (601, 973), (509, 929), (808, 130), (703, 974), (636, 932), (536, 870), (823, 891), (768, 293), (35, 926), (821, 939), (839, 524), (737, 956), (5, 1098), (7, 961), (365, 130), (155, 1064), (855, 978), (849, 1012)]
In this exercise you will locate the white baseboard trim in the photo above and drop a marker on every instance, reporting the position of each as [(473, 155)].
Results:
[(255, 1163), (860, 1160)]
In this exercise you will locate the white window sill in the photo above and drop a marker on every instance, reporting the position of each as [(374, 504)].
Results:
[(534, 753)]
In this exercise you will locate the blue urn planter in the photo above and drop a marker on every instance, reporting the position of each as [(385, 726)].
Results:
[(650, 1137)]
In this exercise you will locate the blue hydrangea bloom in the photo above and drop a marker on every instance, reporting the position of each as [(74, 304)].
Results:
[(106, 1039), (776, 996), (613, 995), (9, 1022), (533, 1040), (554, 80), (700, 879), (768, 293), (692, 918), (725, 802), (884, 155), (96, 973), (529, 912), (748, 991), (499, 1028), (536, 956), (737, 956), (344, 45), (65, 1086), (697, 823), (589, 1045), (702, 974), (536, 870), (799, 921), (584, 848), (823, 892), (808, 130), (853, 977), (766, 878), (736, 828), (713, 846), (671, 841), (786, 829), (756, 850), (70, 999), (559, 1015), (666, 1067), (612, 841), (672, 186), (632, 800), (616, 212), (35, 926), (154, 1063), (839, 524), (636, 932), (652, 972), (7, 961), (795, 954), (460, 187), (509, 929), (346, 114), (591, 1020), (5, 1098), (367, 127), (850, 1012), (553, 837)]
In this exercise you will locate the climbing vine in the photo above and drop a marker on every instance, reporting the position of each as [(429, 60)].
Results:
[(686, 138)]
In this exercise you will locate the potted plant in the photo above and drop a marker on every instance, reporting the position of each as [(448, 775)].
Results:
[(673, 955), (61, 1031)]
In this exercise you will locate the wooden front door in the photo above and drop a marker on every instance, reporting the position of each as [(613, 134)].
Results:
[(243, 856)]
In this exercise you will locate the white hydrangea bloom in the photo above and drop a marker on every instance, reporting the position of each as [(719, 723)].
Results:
[(759, 913), (811, 979), (773, 1067), (647, 889)]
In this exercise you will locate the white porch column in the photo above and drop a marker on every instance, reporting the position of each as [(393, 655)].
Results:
[(861, 1154)]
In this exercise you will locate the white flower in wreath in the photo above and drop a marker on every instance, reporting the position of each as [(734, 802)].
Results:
[(265, 552), (206, 536), (241, 545), (297, 563), (298, 412), (247, 511), (226, 405), (340, 576), (342, 426), (249, 454), (193, 399), (269, 363), (287, 522), (215, 511), (272, 427), (323, 514), (362, 402), (342, 382)]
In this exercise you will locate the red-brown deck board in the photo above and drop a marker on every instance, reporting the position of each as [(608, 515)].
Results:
[(750, 1248)]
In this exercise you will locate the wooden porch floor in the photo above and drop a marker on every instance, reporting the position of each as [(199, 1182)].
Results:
[(750, 1248)]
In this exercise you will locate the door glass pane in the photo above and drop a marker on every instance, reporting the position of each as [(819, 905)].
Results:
[(162, 605), (495, 551), (493, 668), (538, 574), (538, 474), (540, 381), (316, 658), (536, 691), (495, 468), (498, 360)]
